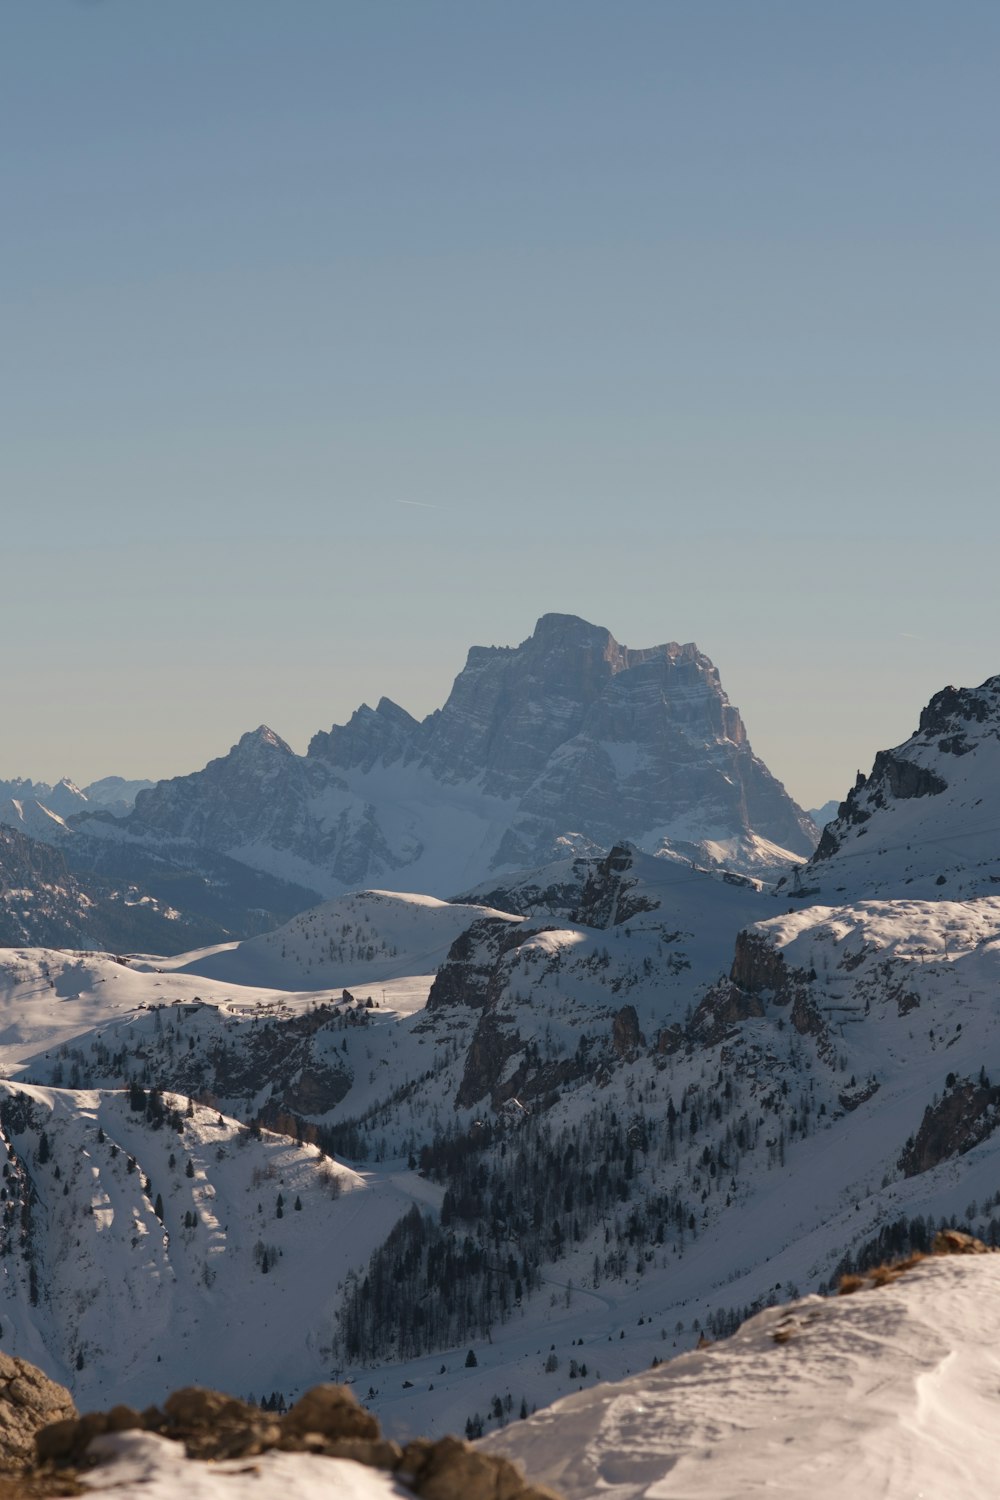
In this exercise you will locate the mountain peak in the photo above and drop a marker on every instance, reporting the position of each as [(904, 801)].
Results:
[(572, 627), (917, 818), (262, 738), (568, 736)]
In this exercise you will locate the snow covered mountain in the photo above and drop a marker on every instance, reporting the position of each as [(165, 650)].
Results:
[(29, 816), (569, 741), (659, 1145), (925, 821), (25, 804), (44, 901), (62, 799), (360, 939), (609, 1103), (595, 1133)]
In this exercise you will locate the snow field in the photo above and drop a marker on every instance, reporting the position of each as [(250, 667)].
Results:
[(889, 1393)]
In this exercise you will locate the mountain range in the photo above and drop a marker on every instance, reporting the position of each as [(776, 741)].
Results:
[(568, 742), (25, 804), (612, 1100)]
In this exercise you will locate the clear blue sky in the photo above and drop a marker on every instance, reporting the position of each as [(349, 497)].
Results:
[(341, 336)]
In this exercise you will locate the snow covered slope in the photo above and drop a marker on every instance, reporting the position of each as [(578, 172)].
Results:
[(141, 1466), (637, 1100), (29, 817), (651, 1135), (43, 900), (890, 1393), (151, 1243), (354, 940), (926, 821)]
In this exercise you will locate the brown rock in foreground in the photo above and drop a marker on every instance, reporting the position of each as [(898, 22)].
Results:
[(29, 1401), (945, 1242), (327, 1420)]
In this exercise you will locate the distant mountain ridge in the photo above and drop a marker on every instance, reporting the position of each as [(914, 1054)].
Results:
[(45, 902), (566, 743), (38, 809)]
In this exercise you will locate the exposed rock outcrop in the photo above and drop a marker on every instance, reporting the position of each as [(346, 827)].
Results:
[(759, 976), (29, 1401), (327, 1420), (966, 1114), (609, 897), (472, 974), (878, 842), (493, 1045), (626, 1038)]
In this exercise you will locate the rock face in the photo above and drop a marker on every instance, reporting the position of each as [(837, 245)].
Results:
[(29, 1401), (967, 1114), (916, 822), (470, 973), (568, 739), (254, 792), (327, 1420), (584, 733)]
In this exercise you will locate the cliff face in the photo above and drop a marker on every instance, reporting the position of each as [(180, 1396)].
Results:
[(918, 820), (967, 1114), (569, 736)]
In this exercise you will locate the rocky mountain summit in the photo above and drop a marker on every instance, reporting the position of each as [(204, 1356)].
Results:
[(569, 741), (923, 822), (585, 734)]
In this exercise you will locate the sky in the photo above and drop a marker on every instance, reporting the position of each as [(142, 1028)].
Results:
[(341, 335)]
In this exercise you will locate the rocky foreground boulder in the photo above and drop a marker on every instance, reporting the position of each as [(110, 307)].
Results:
[(327, 1421), (29, 1401)]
